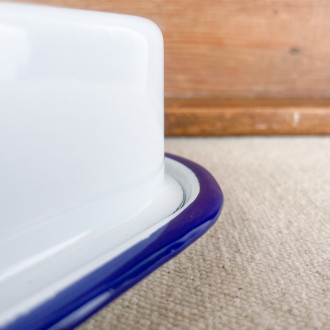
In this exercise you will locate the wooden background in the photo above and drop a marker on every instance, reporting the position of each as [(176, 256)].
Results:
[(239, 67)]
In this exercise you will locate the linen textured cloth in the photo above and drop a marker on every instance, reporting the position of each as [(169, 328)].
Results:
[(265, 264)]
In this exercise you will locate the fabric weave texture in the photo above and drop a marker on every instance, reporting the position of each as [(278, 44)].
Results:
[(265, 264)]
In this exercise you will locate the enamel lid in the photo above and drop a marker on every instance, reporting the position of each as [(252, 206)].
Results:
[(81, 114), (81, 143)]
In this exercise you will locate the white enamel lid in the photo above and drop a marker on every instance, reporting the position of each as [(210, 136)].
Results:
[(81, 145), (81, 109)]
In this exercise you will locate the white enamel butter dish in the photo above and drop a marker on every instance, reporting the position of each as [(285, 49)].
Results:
[(89, 205)]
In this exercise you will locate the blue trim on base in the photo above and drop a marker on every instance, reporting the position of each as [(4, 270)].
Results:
[(81, 300)]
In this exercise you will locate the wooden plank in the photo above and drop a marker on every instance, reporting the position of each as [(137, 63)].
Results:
[(216, 117), (237, 48), (219, 54)]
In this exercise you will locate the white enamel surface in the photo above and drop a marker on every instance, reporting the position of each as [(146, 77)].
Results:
[(81, 109), (25, 284), (81, 145)]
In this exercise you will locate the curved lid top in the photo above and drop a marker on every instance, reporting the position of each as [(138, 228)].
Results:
[(81, 113)]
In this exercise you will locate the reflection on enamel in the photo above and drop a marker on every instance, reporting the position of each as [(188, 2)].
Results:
[(42, 255), (14, 51)]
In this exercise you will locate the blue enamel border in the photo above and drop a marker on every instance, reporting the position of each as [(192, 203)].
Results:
[(77, 303)]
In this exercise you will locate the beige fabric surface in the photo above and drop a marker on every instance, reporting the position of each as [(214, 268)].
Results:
[(265, 264)]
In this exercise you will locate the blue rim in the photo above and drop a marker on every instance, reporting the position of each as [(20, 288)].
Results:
[(81, 300)]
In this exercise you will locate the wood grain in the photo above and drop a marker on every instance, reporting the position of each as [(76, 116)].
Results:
[(236, 48), (214, 117), (239, 49)]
